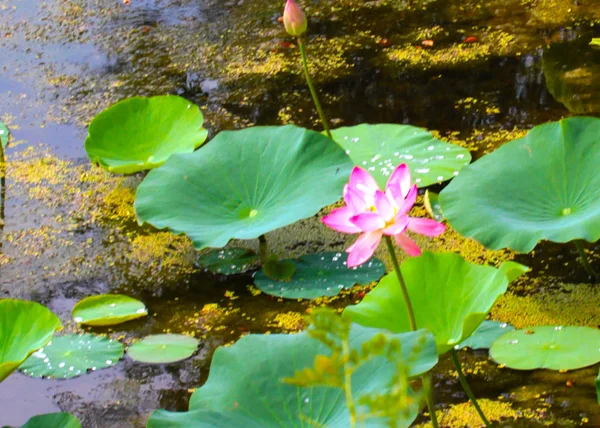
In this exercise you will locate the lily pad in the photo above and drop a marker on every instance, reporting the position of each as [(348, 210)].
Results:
[(450, 297), (278, 270), (543, 186), (4, 135), (24, 328), (141, 133), (381, 148), (431, 201), (73, 355), (229, 261), (52, 420), (485, 335), (548, 347), (163, 348), (318, 275), (244, 184), (245, 389), (108, 309)]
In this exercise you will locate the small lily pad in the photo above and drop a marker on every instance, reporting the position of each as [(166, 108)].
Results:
[(141, 133), (163, 348), (485, 335), (229, 261), (73, 355), (321, 274), (548, 347), (381, 148), (4, 135), (52, 420), (24, 328), (108, 309)]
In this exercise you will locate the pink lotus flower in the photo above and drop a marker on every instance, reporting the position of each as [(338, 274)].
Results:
[(374, 213), (293, 19)]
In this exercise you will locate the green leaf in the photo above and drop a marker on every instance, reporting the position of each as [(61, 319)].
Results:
[(595, 41), (485, 335), (142, 133), (572, 73), (381, 148), (278, 270), (432, 205), (548, 347), (450, 298), (108, 309), (228, 261), (244, 387), (163, 348), (52, 420), (73, 355), (321, 274), (4, 135), (543, 186), (244, 184), (598, 387), (24, 328)]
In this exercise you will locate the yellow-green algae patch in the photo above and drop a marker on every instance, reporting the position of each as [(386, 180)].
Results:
[(465, 415), (567, 304)]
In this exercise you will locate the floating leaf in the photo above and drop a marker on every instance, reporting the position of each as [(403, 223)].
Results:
[(245, 389), (543, 186), (163, 348), (52, 420), (572, 73), (432, 205), (4, 135), (108, 309), (24, 328), (279, 270), (381, 148), (450, 297), (141, 133), (229, 261), (548, 347), (485, 335), (73, 355), (244, 184), (321, 274)]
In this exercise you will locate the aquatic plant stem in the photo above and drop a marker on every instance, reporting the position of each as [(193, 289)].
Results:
[(426, 379), (584, 258), (263, 249), (311, 87), (467, 388), (409, 308), (348, 384)]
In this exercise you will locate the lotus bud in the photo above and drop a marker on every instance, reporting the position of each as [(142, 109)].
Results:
[(294, 19)]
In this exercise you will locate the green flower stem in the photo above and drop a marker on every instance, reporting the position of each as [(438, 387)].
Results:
[(413, 326), (584, 258), (409, 308), (467, 388), (313, 92), (348, 384), (263, 249)]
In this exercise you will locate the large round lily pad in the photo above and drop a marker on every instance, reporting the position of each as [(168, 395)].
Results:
[(141, 133), (108, 309), (244, 184), (486, 334), (52, 420), (245, 389), (322, 274), (548, 347), (73, 355), (163, 348), (24, 328), (543, 186), (450, 297), (381, 148)]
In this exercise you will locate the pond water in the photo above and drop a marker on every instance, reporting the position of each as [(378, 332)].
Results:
[(69, 230)]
